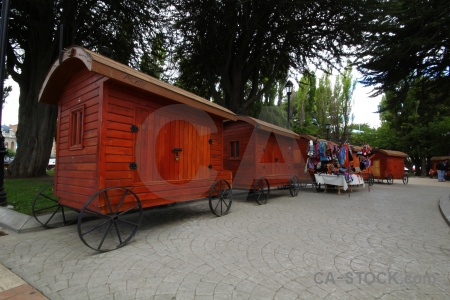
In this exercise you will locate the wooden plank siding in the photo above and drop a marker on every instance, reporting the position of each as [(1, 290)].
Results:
[(76, 176)]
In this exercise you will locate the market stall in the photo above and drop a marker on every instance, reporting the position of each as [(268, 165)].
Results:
[(331, 165)]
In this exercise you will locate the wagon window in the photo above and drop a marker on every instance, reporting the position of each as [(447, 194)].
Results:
[(76, 128), (235, 151)]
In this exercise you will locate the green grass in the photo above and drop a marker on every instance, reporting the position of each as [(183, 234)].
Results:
[(21, 192)]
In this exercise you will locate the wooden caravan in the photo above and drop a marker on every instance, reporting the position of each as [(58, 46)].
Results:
[(128, 141), (260, 155), (389, 165)]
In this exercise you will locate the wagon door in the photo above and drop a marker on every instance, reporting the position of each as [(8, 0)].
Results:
[(182, 151), (272, 157)]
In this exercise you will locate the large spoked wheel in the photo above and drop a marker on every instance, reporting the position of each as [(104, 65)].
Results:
[(405, 179), (261, 189), (48, 212), (220, 197), (389, 179), (294, 186), (115, 228), (371, 179)]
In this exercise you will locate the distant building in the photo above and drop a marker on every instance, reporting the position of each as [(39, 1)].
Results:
[(9, 133)]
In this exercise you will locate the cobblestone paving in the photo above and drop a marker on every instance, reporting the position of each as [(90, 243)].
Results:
[(389, 243)]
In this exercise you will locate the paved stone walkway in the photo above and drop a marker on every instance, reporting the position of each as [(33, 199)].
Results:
[(389, 243)]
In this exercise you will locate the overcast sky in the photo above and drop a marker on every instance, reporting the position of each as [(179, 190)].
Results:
[(363, 106)]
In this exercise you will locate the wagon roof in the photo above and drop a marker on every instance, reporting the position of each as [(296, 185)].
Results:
[(268, 126), (307, 136), (437, 158), (391, 152), (75, 58)]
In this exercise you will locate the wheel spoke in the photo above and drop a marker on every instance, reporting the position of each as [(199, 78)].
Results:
[(128, 222), (95, 227), (104, 236), (118, 233), (100, 215), (53, 214), (47, 208), (128, 210), (49, 198), (121, 201), (108, 202)]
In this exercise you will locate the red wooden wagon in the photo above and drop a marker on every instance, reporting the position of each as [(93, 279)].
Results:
[(260, 155), (127, 141), (389, 165)]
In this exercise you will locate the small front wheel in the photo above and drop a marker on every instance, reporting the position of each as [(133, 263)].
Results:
[(220, 197), (405, 179), (262, 190), (293, 185), (389, 179)]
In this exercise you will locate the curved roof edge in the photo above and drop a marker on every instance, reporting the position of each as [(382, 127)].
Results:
[(75, 58), (437, 158), (391, 152), (268, 126)]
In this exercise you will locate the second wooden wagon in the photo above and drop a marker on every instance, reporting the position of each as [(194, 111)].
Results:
[(260, 155), (389, 165)]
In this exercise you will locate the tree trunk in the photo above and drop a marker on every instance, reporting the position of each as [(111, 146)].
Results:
[(37, 125), (37, 121)]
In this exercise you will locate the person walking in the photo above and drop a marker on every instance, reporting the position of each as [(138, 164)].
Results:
[(440, 171), (444, 169)]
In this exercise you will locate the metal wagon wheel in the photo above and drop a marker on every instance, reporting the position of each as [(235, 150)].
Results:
[(294, 185), (262, 190), (389, 179), (220, 197), (405, 179), (114, 229), (48, 212), (371, 179)]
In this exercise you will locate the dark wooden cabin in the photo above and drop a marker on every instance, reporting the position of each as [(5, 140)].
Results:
[(254, 149), (120, 127)]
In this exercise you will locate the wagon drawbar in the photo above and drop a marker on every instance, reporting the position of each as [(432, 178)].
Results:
[(125, 142)]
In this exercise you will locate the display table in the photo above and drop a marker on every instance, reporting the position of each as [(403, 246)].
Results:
[(339, 181)]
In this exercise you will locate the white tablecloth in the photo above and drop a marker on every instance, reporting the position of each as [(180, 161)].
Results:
[(339, 180)]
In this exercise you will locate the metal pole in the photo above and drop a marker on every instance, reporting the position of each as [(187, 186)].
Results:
[(289, 111), (4, 28)]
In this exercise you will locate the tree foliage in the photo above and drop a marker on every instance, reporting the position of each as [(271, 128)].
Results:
[(124, 27), (235, 51), (419, 125), (408, 40), (328, 102)]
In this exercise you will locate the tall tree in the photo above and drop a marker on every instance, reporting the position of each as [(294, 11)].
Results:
[(226, 48), (408, 40), (121, 26), (420, 124)]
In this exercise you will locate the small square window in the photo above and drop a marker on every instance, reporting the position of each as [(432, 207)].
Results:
[(76, 128), (234, 149)]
